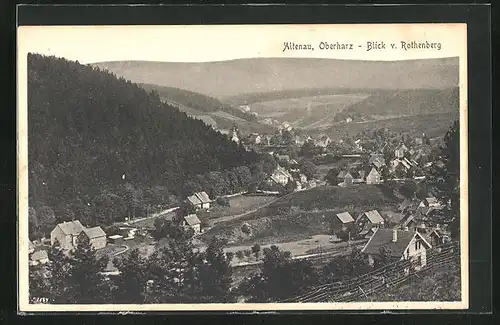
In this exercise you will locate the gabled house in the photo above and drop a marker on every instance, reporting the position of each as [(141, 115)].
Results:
[(375, 156), (400, 151), (200, 200), (348, 179), (439, 237), (373, 177), (396, 245), (369, 219), (429, 202), (281, 176), (378, 162), (39, 257), (95, 236), (414, 222), (283, 158), (341, 175), (65, 234), (323, 142), (254, 138), (192, 221)]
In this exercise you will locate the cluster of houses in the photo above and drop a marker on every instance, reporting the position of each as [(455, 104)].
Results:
[(415, 234), (67, 235)]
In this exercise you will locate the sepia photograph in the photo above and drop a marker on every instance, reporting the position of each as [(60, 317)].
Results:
[(244, 167)]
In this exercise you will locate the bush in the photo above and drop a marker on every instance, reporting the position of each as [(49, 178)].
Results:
[(223, 201), (245, 228)]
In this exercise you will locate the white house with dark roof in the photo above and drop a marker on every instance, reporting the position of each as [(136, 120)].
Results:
[(397, 245), (192, 221), (95, 236), (65, 234), (373, 177), (199, 200), (39, 257), (400, 151)]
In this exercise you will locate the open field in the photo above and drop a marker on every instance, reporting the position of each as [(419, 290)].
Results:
[(306, 112), (302, 214), (237, 205), (433, 125)]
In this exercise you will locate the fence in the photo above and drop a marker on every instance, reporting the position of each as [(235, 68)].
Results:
[(379, 279)]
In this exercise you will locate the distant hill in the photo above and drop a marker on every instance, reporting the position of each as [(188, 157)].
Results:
[(234, 77), (91, 134)]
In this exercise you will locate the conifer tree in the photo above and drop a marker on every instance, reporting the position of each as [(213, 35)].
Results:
[(86, 284), (130, 284), (216, 273)]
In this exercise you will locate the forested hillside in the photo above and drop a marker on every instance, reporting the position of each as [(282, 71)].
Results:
[(99, 144)]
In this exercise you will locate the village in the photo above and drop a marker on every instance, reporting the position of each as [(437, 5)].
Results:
[(408, 232)]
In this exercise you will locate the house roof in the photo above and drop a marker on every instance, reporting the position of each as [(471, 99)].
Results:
[(431, 200), (406, 221), (203, 197), (373, 216), (373, 171), (345, 217), (39, 255), (402, 147), (383, 237), (342, 174), (283, 157), (406, 164), (95, 232), (193, 200), (115, 236), (375, 156), (378, 162), (192, 220), (71, 227)]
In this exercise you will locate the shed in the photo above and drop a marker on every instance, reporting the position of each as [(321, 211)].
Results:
[(116, 239)]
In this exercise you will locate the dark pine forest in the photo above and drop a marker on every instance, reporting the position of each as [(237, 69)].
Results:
[(100, 145)]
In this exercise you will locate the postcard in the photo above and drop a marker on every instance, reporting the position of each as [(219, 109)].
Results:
[(242, 167)]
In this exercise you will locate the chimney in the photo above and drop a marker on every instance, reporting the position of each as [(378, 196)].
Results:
[(394, 235)]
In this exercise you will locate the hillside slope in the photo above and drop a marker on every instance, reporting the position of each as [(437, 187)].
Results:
[(91, 133), (407, 102), (208, 109), (230, 78), (195, 100)]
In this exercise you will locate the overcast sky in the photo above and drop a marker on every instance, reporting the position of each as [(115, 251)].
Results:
[(89, 44)]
